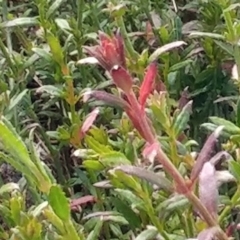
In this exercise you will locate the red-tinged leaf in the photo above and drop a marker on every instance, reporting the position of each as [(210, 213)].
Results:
[(184, 99), (104, 38), (111, 54), (221, 156), (148, 83), (160, 86), (82, 200), (150, 151), (135, 122), (122, 78), (230, 229), (208, 191), (208, 234), (120, 44), (96, 52), (89, 122), (205, 153), (108, 98)]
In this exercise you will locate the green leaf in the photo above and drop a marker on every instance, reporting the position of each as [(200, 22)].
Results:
[(56, 49), (228, 126), (181, 121), (131, 198), (232, 7), (16, 208), (62, 24), (212, 127), (180, 65), (53, 8), (147, 175), (59, 203), (43, 53), (238, 113), (22, 21), (127, 212), (17, 99), (155, 55), (96, 146), (129, 181), (9, 187), (30, 61), (234, 168), (46, 176), (226, 47), (206, 34), (14, 145), (113, 159), (148, 234), (53, 219), (93, 165), (117, 219), (176, 202), (50, 89), (20, 167), (95, 233)]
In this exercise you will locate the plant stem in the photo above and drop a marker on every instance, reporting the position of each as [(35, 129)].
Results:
[(180, 183)]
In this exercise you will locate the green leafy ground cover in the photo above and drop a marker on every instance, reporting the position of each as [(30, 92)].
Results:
[(119, 120)]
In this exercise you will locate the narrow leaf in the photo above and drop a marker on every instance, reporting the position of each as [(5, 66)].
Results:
[(43, 53), (228, 126), (56, 49), (127, 212), (234, 168), (96, 146), (53, 8), (22, 21), (147, 175), (107, 98), (121, 78), (148, 83), (114, 158), (173, 203), (164, 49), (208, 234), (50, 89), (206, 34), (208, 191), (9, 187), (87, 124), (238, 113), (223, 155), (205, 153), (59, 203), (148, 234), (95, 233), (63, 24), (181, 121), (17, 99), (180, 65)]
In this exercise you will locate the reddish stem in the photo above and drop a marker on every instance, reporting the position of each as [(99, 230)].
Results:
[(181, 185)]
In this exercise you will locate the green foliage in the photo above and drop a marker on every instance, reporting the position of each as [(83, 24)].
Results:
[(105, 149)]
